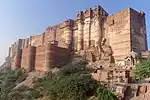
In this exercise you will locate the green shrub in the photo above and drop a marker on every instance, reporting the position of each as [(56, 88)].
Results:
[(142, 70), (8, 80), (72, 82), (103, 93)]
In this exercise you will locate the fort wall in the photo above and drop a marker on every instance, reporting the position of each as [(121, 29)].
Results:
[(43, 58), (117, 31), (40, 58), (125, 31)]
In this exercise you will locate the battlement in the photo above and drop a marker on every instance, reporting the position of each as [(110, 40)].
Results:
[(97, 11), (69, 22), (80, 15), (51, 29)]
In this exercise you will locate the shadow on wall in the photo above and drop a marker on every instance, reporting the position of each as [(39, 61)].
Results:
[(129, 93)]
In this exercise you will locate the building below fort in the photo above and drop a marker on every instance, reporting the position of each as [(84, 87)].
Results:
[(94, 35)]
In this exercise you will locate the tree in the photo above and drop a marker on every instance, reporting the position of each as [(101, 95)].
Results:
[(103, 93), (8, 80), (24, 93), (142, 70), (73, 82)]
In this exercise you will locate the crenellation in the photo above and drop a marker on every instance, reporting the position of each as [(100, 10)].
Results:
[(69, 23), (99, 11), (80, 15), (88, 13)]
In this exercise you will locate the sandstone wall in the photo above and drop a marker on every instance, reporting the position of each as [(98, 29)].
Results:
[(43, 58), (28, 58), (50, 56), (24, 58), (40, 58), (50, 34), (36, 40), (16, 59), (75, 39), (117, 30), (87, 31), (60, 36), (62, 56), (124, 31), (90, 27)]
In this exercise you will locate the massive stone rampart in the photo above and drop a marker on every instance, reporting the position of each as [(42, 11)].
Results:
[(125, 31)]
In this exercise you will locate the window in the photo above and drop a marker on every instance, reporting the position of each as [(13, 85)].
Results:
[(112, 22)]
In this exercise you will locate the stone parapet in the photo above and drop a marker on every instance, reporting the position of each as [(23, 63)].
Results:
[(80, 15), (88, 13)]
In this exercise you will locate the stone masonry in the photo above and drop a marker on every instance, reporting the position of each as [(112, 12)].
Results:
[(124, 31)]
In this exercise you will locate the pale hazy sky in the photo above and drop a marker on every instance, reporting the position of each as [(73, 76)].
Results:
[(22, 18)]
